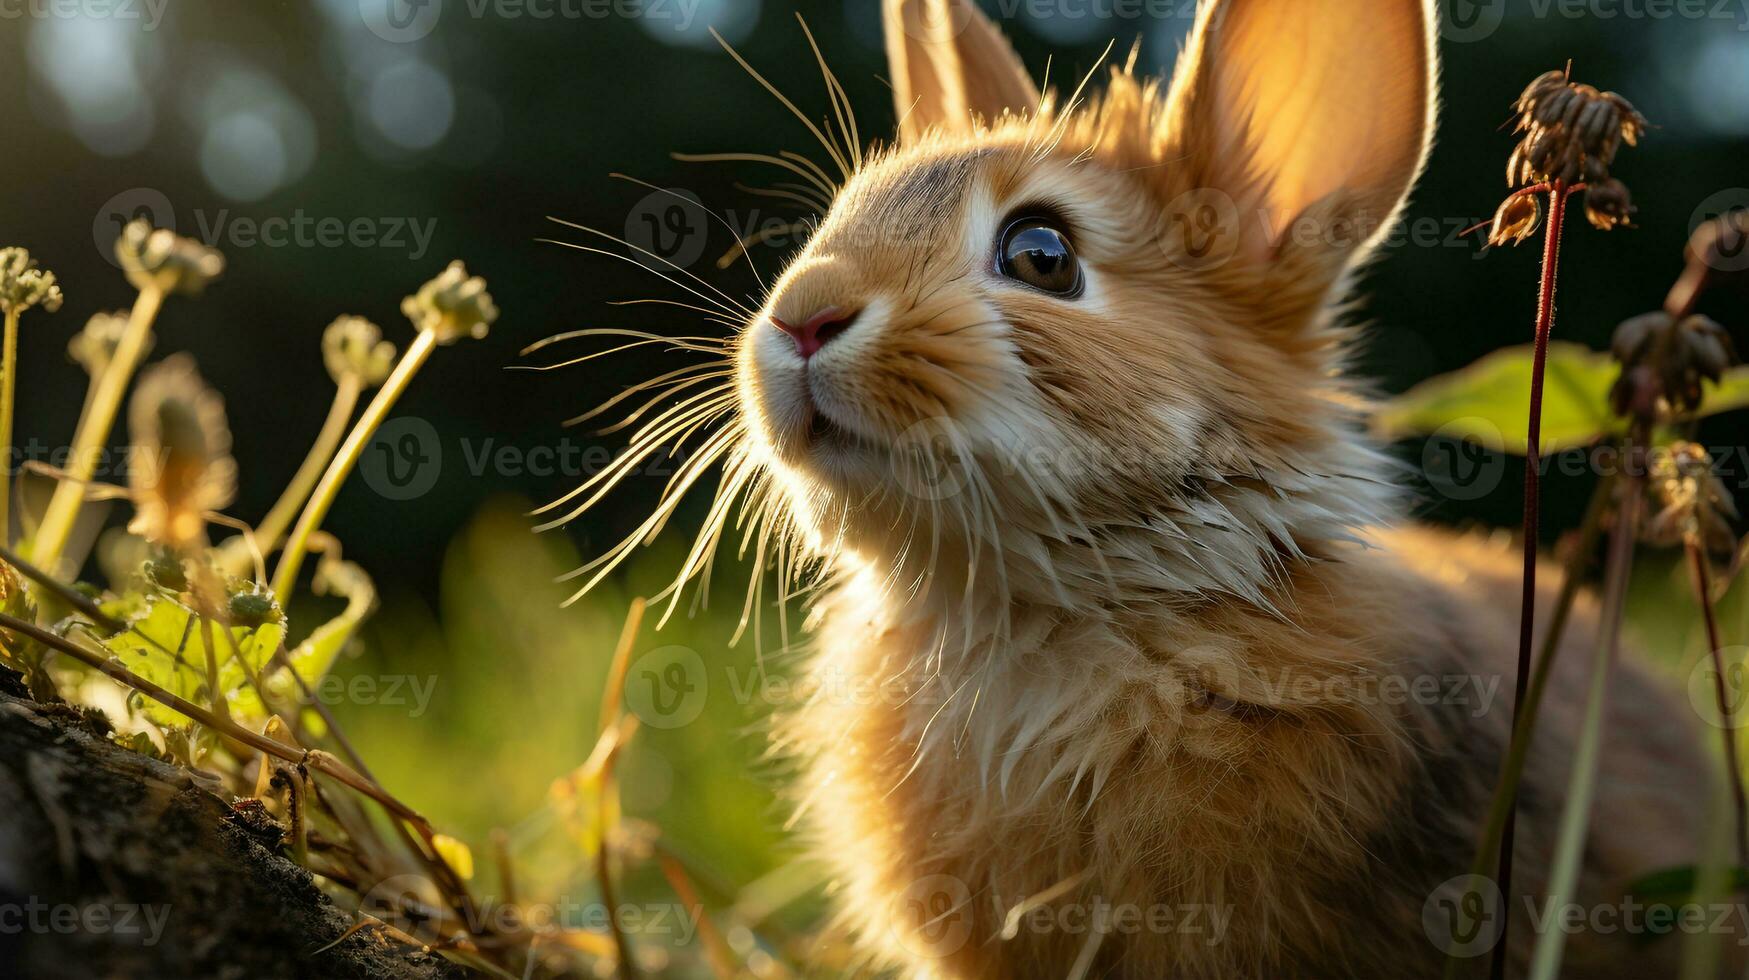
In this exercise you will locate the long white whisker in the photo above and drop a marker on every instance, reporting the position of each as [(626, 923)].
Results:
[(837, 157), (733, 305)]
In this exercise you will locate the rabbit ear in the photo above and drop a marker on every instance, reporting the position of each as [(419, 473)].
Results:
[(949, 63), (1314, 110)]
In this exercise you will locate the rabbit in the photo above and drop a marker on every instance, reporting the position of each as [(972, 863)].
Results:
[(1157, 678)]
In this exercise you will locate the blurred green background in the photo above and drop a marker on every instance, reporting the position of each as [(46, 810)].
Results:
[(452, 128)]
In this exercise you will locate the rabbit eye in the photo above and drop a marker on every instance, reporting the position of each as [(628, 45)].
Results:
[(1035, 252)]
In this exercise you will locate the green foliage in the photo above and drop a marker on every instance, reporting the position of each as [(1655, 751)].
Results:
[(517, 684), (1489, 401), (167, 645)]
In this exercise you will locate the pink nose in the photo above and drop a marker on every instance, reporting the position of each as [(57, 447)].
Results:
[(816, 331)]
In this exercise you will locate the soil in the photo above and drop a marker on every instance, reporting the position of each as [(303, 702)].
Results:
[(113, 864)]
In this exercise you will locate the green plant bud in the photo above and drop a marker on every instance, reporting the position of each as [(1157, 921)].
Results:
[(251, 608), (453, 305), (355, 346), (23, 285), (162, 260)]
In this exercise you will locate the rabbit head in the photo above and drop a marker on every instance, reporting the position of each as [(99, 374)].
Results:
[(1097, 336)]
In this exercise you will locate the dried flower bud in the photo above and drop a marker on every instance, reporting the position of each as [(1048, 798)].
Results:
[(1666, 362), (160, 259), (182, 467), (1694, 506), (1572, 132), (1608, 205), (94, 347), (23, 285), (1519, 218), (453, 305), (354, 346)]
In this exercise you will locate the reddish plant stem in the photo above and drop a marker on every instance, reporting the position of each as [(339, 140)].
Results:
[(1545, 324), (1727, 724)]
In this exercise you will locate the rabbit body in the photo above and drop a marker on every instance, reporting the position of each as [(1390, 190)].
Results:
[(1143, 682)]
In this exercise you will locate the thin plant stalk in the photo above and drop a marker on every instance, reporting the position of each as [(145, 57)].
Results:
[(8, 390), (93, 430), (1727, 723), (273, 527), (319, 761), (1712, 884), (612, 702), (1587, 752), (1518, 752), (286, 575), (1545, 323)]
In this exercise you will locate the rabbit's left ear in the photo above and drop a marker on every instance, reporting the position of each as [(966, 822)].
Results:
[(950, 63), (1307, 112)]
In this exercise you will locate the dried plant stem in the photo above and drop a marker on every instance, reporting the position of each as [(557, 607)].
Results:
[(285, 577), (612, 702), (1545, 323), (1588, 749), (8, 390), (716, 951), (1727, 724), (1573, 579), (273, 527), (71, 596), (93, 430), (319, 761)]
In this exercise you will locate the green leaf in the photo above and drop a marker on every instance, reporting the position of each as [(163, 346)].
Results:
[(1675, 886), (315, 656), (1489, 401), (164, 645)]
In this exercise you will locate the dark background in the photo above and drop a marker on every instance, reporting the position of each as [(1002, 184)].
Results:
[(212, 113)]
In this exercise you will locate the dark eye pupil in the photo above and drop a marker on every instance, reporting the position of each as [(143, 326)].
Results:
[(1038, 254)]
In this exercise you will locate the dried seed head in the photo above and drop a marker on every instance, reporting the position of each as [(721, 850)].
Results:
[(1519, 218), (353, 346), (94, 347), (1609, 205), (1665, 363), (1694, 506), (453, 305), (1571, 132), (182, 466), (160, 259), (23, 285)]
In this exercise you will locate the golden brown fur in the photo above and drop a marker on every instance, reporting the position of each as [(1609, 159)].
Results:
[(1126, 558)]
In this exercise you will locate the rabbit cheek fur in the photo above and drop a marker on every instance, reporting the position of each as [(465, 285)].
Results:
[(1112, 624)]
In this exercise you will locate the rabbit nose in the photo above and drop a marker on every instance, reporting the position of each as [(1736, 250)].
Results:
[(816, 331)]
